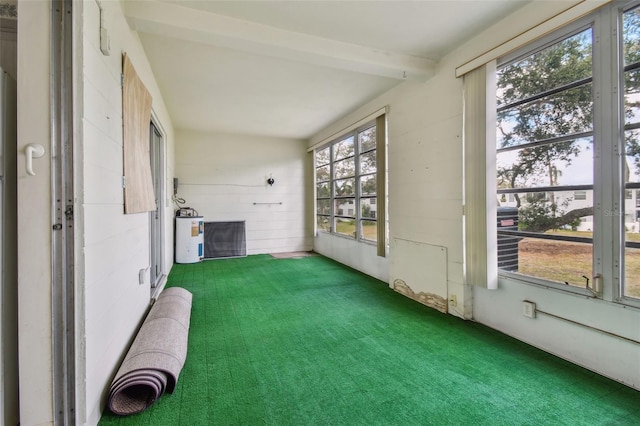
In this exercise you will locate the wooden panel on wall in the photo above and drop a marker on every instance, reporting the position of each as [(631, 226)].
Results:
[(136, 116)]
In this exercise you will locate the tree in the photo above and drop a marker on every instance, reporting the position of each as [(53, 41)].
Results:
[(366, 210), (632, 84), (568, 111), (541, 97), (538, 215), (368, 185)]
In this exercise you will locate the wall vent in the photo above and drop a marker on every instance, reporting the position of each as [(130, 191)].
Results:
[(224, 240)]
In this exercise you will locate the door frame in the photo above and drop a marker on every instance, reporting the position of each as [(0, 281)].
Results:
[(156, 218), (63, 198), (9, 237), (45, 205)]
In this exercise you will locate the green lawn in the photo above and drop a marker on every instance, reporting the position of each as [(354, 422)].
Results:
[(568, 262), (348, 227)]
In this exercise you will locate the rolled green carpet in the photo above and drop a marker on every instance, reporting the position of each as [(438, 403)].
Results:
[(156, 357)]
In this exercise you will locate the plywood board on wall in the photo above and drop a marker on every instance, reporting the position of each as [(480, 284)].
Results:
[(419, 271), (136, 117)]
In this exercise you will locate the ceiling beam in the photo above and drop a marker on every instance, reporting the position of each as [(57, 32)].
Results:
[(184, 23)]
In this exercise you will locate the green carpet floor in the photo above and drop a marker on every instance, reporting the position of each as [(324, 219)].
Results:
[(311, 342)]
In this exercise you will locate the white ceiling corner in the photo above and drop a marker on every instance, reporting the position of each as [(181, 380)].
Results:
[(290, 68), (184, 23)]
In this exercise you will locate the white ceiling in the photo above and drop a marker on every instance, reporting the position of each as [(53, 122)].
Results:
[(290, 68)]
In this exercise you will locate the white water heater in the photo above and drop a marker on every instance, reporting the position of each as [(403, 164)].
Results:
[(189, 239)]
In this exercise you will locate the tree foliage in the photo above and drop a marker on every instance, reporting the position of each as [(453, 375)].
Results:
[(567, 112), (631, 53), (566, 64), (540, 97)]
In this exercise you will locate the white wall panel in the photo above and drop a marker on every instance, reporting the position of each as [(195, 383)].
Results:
[(113, 247), (613, 357), (101, 150), (222, 176), (104, 77), (360, 256), (101, 112)]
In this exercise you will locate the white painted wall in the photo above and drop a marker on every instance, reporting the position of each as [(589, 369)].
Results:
[(425, 206), (611, 356), (360, 256), (223, 175), (424, 178), (111, 247)]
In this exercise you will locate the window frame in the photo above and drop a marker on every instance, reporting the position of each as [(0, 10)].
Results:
[(620, 242), (608, 133), (357, 197), (521, 53)]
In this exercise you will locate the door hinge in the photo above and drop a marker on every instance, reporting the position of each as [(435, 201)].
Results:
[(69, 212)]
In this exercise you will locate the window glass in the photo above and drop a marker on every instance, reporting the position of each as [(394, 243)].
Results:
[(563, 63), (546, 94), (631, 101), (324, 207), (553, 212), (345, 187), (344, 168), (343, 149), (632, 157), (632, 268), (323, 173), (544, 151), (345, 207), (369, 229), (323, 190), (561, 114), (563, 262), (345, 226), (631, 161), (346, 174), (323, 223), (368, 206), (560, 164), (367, 139), (323, 156), (580, 195), (368, 162), (368, 185)]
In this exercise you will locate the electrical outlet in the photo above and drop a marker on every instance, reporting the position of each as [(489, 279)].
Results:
[(528, 309), (453, 300)]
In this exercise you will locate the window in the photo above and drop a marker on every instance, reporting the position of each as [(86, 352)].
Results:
[(323, 189), (346, 185), (556, 157), (545, 141), (630, 75)]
